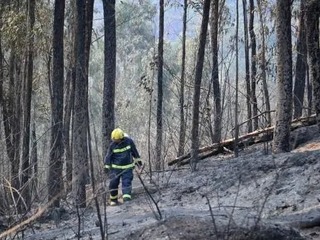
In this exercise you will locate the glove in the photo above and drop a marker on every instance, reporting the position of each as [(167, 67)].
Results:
[(106, 169), (140, 165), (138, 162)]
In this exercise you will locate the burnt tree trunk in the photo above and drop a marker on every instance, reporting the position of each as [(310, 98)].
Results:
[(263, 66), (301, 65), (253, 67), (215, 72), (80, 129), (247, 66), (197, 86), (284, 78), (55, 184), (312, 25), (160, 89), (26, 170), (69, 86), (108, 107), (182, 132)]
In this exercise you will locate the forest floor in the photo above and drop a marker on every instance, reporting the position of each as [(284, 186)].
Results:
[(255, 196)]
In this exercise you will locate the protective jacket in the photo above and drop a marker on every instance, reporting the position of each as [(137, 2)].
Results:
[(120, 154)]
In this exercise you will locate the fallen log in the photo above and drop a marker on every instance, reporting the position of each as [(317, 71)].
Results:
[(229, 143), (258, 136), (202, 156)]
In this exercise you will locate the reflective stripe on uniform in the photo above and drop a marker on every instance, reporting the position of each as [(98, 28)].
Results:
[(126, 196), (120, 150), (113, 197), (131, 165), (106, 166)]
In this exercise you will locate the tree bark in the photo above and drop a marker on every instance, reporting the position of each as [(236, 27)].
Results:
[(11, 107), (312, 25), (197, 86), (34, 162), (253, 66), (263, 67), (182, 132), (69, 88), (247, 66), (284, 77), (26, 170), (301, 65), (108, 114), (14, 119), (215, 72), (236, 124), (88, 37), (55, 184), (89, 21), (158, 163), (80, 128)]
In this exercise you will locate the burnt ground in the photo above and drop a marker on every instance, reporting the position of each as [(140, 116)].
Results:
[(255, 196)]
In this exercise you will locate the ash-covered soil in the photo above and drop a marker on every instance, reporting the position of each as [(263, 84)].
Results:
[(255, 196)]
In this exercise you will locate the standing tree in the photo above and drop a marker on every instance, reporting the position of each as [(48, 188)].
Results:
[(26, 171), (182, 136), (215, 72), (2, 106), (10, 98), (312, 28), (160, 90), (89, 18), (197, 86), (284, 77), (110, 46), (87, 46), (247, 65), (236, 124), (80, 123), (263, 64), (301, 65), (55, 184), (253, 67), (69, 90)]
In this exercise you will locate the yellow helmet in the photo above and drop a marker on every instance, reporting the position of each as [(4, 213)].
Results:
[(117, 134)]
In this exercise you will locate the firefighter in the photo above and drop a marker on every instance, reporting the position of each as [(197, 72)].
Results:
[(121, 158)]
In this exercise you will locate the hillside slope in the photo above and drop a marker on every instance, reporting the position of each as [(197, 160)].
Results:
[(277, 195)]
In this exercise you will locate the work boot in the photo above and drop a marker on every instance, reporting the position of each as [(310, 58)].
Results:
[(113, 203), (126, 199)]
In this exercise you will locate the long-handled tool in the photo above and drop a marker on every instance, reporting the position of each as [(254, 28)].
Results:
[(159, 215)]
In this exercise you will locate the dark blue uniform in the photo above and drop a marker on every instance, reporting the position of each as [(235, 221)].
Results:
[(119, 160)]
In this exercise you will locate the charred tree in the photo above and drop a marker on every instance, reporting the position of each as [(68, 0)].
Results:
[(247, 66), (215, 72), (301, 65), (182, 132), (253, 67), (197, 86), (312, 28), (284, 78), (26, 170), (108, 107), (160, 89), (80, 123), (55, 184), (263, 66)]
